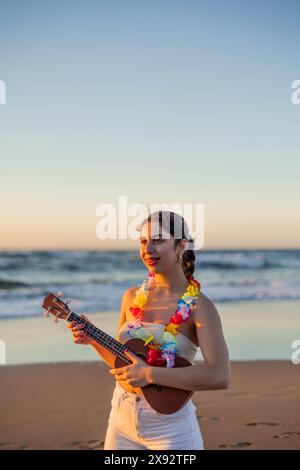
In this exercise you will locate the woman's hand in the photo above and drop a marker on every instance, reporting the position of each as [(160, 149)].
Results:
[(137, 374), (79, 335)]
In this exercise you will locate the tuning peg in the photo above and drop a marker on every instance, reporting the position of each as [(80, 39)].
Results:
[(68, 301), (59, 294), (56, 320)]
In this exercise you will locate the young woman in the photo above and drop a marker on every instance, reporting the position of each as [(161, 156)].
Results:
[(171, 314)]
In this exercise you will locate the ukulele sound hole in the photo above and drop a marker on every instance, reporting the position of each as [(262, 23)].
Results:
[(142, 355)]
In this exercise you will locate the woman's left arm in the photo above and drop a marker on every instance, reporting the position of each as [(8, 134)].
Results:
[(214, 372)]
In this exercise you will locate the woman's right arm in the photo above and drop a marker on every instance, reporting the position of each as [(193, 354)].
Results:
[(81, 337)]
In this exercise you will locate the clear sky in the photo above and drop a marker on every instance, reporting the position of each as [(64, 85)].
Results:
[(162, 101)]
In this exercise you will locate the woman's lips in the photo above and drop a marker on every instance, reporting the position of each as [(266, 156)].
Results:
[(152, 261)]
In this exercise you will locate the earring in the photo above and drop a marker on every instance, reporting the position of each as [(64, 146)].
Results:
[(179, 258)]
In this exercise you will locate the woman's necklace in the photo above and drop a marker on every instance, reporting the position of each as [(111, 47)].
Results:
[(162, 354)]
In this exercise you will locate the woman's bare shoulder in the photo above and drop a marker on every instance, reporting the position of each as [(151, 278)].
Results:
[(205, 309), (127, 299), (129, 294), (126, 302)]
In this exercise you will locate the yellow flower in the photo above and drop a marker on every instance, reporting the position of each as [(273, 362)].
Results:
[(171, 328), (151, 338), (192, 291), (140, 300), (154, 346)]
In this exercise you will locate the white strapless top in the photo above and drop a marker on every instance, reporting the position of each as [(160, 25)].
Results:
[(186, 347)]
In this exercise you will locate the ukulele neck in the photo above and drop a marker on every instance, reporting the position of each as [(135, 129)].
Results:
[(108, 342)]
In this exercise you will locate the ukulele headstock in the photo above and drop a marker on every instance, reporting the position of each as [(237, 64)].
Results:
[(53, 305)]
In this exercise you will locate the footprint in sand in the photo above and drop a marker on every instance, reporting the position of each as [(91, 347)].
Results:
[(13, 446), (206, 418), (262, 424), (92, 444), (237, 444), (286, 435)]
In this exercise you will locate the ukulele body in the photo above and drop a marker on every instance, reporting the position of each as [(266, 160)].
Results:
[(163, 399)]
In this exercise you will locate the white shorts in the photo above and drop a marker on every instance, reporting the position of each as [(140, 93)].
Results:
[(133, 424)]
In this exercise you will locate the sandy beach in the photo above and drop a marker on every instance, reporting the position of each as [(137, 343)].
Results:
[(66, 406), (56, 395)]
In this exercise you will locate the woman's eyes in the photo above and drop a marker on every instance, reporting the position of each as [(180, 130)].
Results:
[(154, 240)]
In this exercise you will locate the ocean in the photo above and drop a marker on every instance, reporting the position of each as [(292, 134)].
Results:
[(95, 280)]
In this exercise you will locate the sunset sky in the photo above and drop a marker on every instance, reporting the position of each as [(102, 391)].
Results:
[(161, 101)]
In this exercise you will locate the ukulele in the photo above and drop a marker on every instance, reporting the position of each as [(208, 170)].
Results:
[(163, 399)]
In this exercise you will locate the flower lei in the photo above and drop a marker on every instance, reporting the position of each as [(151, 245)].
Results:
[(162, 354)]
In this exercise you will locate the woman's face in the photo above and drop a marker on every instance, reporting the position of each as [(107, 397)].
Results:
[(157, 248)]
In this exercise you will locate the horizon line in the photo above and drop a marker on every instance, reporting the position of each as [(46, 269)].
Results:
[(136, 250)]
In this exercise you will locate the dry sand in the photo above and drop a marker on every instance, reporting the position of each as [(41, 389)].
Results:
[(66, 406)]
